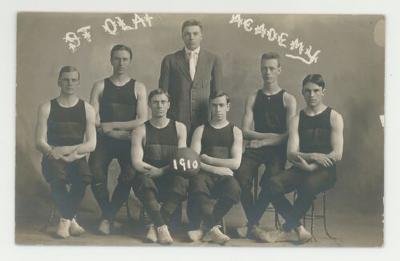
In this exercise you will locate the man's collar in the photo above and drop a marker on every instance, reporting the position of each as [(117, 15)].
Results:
[(196, 51)]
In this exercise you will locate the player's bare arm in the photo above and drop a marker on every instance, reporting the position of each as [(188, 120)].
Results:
[(182, 134), (236, 152), (137, 153), (250, 134), (196, 146)]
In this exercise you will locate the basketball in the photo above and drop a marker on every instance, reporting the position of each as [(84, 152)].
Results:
[(186, 162)]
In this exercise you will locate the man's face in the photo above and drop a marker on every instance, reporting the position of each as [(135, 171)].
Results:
[(313, 94), (159, 105), (192, 36), (68, 82), (120, 61), (219, 108), (270, 70)]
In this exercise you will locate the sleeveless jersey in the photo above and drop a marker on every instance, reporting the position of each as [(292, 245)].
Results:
[(217, 142), (269, 113), (161, 144), (315, 132), (118, 103), (66, 126)]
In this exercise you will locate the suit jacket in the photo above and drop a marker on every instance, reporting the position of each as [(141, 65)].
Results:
[(189, 98)]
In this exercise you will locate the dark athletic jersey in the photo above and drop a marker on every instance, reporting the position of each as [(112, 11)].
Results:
[(217, 142), (161, 144), (315, 132), (118, 103), (269, 113), (66, 126)]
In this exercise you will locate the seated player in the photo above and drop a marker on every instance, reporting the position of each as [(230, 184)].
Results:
[(153, 147), (219, 144), (65, 134), (315, 146)]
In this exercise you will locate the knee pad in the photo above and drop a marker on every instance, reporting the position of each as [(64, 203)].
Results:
[(274, 187), (57, 184), (180, 187), (203, 202), (127, 176), (150, 201), (99, 189), (153, 205), (232, 191), (206, 207)]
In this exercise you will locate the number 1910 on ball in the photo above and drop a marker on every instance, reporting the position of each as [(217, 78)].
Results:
[(184, 164)]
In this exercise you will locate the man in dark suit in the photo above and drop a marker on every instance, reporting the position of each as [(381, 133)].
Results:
[(191, 75)]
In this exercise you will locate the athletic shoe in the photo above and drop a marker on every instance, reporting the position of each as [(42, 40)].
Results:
[(242, 232), (215, 235), (195, 235), (258, 234), (151, 235), (164, 236), (76, 229), (63, 228), (116, 225), (104, 227), (281, 236), (303, 234)]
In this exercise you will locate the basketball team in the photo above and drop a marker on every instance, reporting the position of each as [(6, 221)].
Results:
[(79, 139)]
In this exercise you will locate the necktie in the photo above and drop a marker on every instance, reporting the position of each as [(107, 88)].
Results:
[(192, 64)]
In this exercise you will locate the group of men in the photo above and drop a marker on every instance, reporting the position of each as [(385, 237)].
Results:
[(188, 109)]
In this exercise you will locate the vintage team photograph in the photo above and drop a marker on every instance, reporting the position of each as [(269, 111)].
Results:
[(189, 129)]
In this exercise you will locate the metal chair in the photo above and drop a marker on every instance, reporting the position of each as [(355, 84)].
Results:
[(311, 215), (53, 212), (50, 219)]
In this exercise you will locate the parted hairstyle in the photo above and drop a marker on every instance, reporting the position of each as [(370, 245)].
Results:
[(192, 22), (121, 47), (68, 68), (314, 78), (157, 92)]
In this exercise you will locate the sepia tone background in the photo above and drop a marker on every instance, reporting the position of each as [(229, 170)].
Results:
[(352, 62)]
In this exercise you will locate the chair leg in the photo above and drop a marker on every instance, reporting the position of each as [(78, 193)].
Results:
[(50, 219), (255, 188), (223, 225), (128, 211), (312, 220), (324, 216), (278, 224)]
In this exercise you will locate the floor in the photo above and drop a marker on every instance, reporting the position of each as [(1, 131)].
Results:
[(350, 229)]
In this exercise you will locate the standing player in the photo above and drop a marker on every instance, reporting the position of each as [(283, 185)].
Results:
[(219, 144), (315, 145), (269, 109), (120, 105), (65, 134), (153, 147)]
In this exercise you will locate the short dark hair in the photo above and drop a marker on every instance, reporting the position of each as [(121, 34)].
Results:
[(270, 56), (192, 22), (220, 94), (68, 68), (121, 47), (314, 78), (157, 92)]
